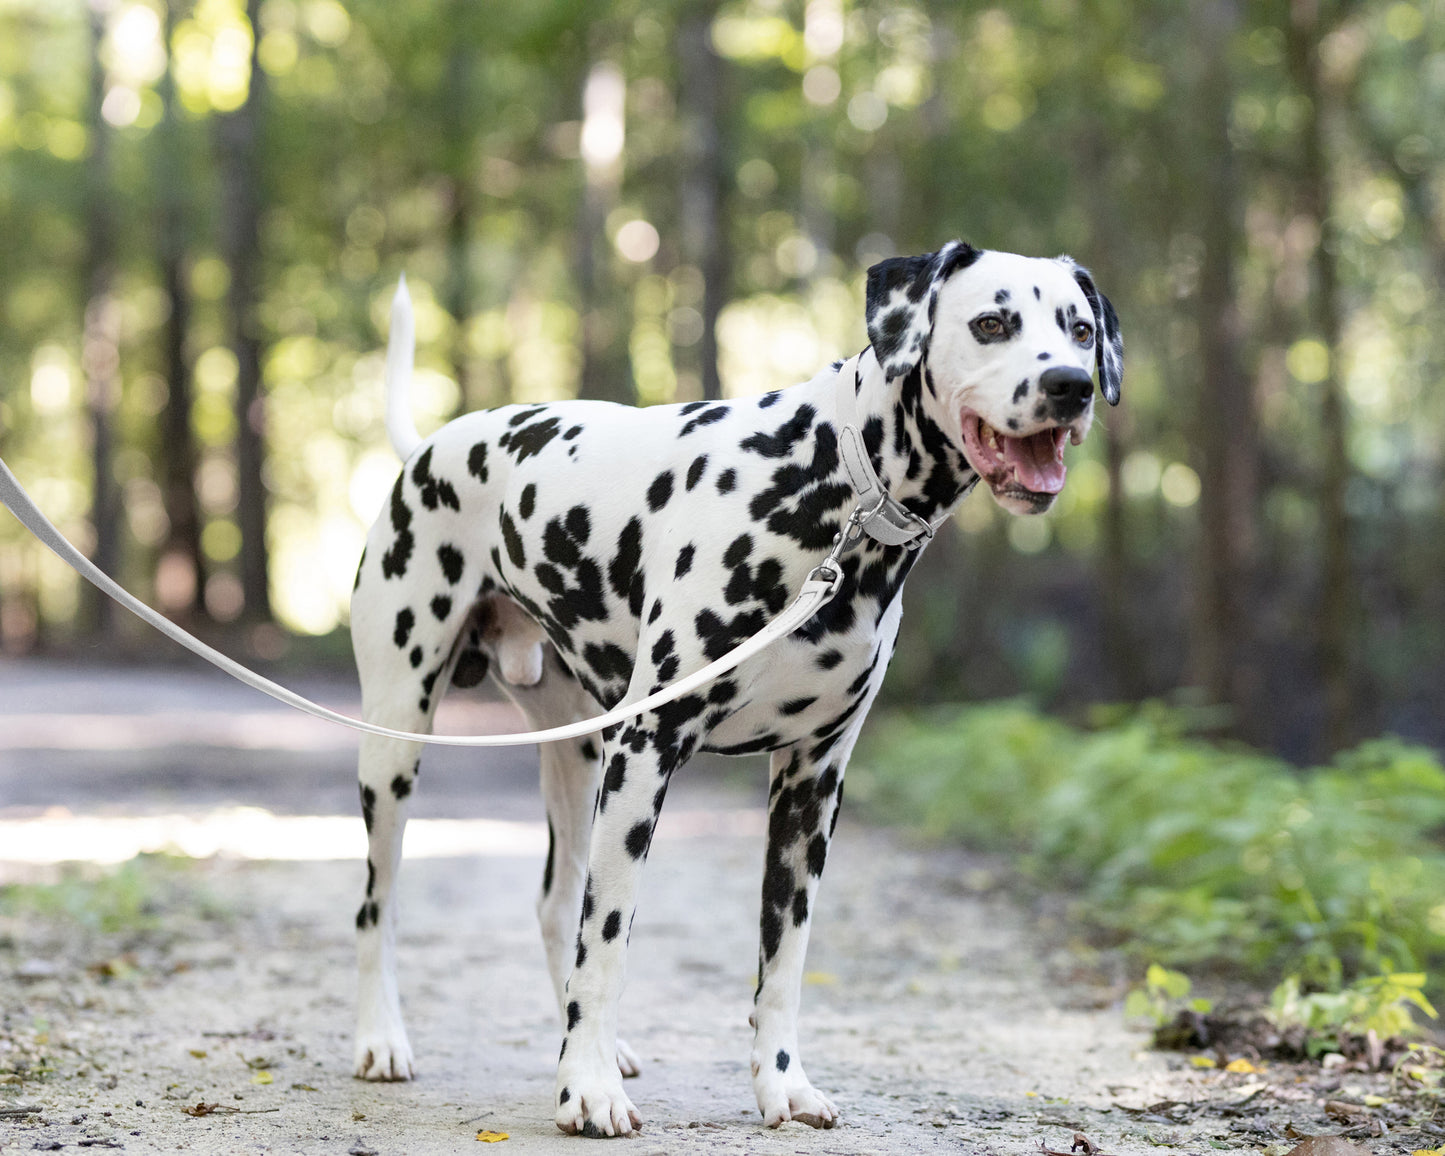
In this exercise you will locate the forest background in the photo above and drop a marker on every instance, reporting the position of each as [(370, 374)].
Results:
[(204, 208)]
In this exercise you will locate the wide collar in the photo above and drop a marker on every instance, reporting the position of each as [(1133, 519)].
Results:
[(878, 515)]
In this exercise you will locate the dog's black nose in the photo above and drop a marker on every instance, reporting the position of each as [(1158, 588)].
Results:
[(1066, 385)]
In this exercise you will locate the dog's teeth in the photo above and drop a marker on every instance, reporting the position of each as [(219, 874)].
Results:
[(1074, 437)]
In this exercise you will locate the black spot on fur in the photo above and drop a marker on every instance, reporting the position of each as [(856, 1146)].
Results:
[(611, 925), (405, 620), (639, 838), (551, 855), (434, 491), (393, 562), (727, 481), (452, 562), (471, 668), (401, 786), (829, 659), (441, 606), (613, 780), (768, 400), (528, 501), (368, 807), (477, 462), (797, 705), (530, 440), (574, 1013), (781, 442), (1021, 390), (817, 854), (415, 657), (367, 916), (782, 1060), (684, 560), (695, 471), (588, 749), (707, 417), (513, 541), (660, 491)]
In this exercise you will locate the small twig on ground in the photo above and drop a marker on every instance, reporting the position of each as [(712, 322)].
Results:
[(19, 1110), (1081, 1144)]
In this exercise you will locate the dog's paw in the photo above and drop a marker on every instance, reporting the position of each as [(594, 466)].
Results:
[(784, 1096), (384, 1056), (627, 1062), (595, 1106)]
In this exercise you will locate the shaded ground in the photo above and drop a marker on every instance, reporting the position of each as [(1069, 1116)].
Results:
[(940, 1013)]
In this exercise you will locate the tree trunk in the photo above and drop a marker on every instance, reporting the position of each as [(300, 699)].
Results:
[(1225, 424), (459, 124), (178, 444), (1339, 597), (704, 180), (238, 136), (605, 373), (100, 349)]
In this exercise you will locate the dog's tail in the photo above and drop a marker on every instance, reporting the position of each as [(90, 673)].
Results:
[(400, 356)]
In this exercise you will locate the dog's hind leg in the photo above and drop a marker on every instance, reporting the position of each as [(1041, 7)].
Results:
[(388, 769), (404, 659), (570, 773)]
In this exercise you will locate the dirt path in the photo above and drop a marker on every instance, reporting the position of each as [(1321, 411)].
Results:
[(934, 1014)]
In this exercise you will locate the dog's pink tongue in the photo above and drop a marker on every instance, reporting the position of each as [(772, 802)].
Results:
[(1036, 462)]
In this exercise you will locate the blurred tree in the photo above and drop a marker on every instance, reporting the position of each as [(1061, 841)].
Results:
[(181, 551), (242, 192), (100, 339)]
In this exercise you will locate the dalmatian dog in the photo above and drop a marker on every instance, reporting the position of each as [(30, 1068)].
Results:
[(587, 554)]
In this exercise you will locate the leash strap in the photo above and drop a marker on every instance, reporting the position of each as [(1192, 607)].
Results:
[(817, 589)]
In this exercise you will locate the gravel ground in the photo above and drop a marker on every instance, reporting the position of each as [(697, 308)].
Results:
[(940, 1013)]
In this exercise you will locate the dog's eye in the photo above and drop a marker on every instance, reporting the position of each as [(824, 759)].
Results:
[(1083, 332), (990, 326)]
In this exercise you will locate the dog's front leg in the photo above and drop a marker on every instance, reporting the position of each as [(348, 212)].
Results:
[(805, 790), (637, 758), (387, 773)]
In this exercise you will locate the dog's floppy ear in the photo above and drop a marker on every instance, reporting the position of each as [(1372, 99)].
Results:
[(902, 295), (1109, 344)]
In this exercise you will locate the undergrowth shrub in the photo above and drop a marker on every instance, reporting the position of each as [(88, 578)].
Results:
[(1190, 852)]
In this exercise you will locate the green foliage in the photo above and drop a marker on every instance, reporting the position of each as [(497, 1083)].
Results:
[(133, 897), (1192, 853), (1163, 995), (1378, 1003)]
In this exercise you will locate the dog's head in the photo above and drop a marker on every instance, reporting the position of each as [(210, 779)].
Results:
[(1008, 346)]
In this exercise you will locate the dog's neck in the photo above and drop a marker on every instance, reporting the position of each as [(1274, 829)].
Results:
[(918, 464)]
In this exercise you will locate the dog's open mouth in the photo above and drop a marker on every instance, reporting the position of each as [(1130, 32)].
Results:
[(1032, 464)]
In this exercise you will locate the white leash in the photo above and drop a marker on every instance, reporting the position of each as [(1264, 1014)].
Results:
[(877, 515)]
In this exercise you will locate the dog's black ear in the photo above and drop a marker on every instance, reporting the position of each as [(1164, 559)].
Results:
[(902, 295), (1109, 344)]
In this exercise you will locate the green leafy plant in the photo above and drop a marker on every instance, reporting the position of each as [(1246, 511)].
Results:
[(1186, 852), (1377, 1003), (1163, 995)]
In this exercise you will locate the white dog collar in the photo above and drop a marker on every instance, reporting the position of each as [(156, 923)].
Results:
[(881, 517)]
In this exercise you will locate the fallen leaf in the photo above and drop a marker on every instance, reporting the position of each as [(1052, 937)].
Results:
[(302, 1088), (262, 1077), (1328, 1146), (1203, 1061), (1374, 1101), (199, 1053), (1240, 1065), (492, 1137), (200, 1109), (1429, 1151), (820, 978)]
